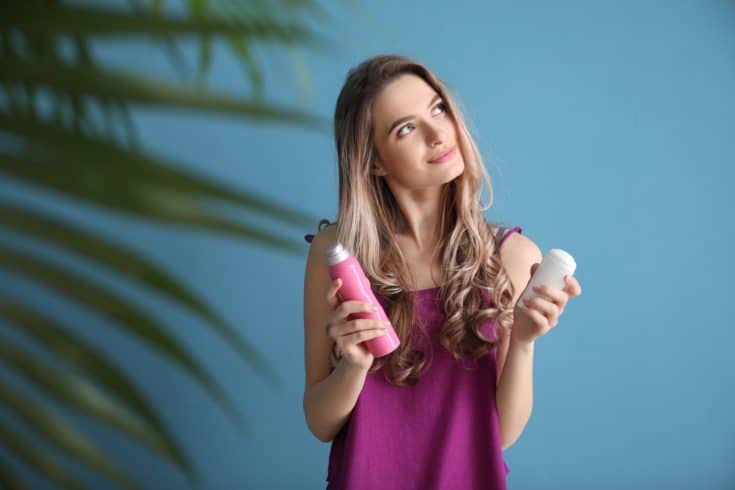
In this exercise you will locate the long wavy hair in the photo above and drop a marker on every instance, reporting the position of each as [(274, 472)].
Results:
[(369, 216)]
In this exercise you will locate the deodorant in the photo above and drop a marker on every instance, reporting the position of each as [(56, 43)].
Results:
[(551, 271), (356, 287)]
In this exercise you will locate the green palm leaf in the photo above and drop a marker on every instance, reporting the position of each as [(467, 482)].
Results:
[(81, 394), (47, 424), (145, 201), (74, 391), (85, 359), (115, 85), (127, 315), (127, 263), (36, 458), (95, 162), (60, 115), (105, 22)]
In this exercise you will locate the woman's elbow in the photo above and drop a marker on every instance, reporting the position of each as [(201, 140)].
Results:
[(322, 437), (506, 444), (318, 434), (325, 439)]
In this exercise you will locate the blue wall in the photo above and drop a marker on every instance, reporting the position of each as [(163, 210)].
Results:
[(608, 129)]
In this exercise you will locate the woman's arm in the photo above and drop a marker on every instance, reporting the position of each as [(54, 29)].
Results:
[(328, 403), (514, 395), (329, 398), (514, 392)]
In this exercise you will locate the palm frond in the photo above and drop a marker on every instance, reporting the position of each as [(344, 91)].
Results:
[(152, 203), (128, 264), (105, 22), (36, 458), (124, 314), (135, 89), (66, 128), (68, 347), (97, 161), (87, 398), (46, 424)]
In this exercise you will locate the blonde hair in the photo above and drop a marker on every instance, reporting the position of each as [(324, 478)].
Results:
[(368, 216)]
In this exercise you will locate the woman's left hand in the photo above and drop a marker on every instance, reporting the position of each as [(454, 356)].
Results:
[(542, 311)]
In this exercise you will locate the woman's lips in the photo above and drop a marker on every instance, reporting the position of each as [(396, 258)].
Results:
[(445, 156)]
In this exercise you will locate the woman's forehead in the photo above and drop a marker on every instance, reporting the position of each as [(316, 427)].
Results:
[(405, 96)]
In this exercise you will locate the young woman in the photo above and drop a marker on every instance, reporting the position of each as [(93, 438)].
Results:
[(438, 411)]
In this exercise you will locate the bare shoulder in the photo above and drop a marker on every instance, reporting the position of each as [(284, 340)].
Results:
[(317, 276), (323, 239), (517, 254)]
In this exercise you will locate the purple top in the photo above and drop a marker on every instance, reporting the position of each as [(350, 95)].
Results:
[(441, 433)]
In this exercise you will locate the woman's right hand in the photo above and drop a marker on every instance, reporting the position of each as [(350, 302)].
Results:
[(349, 334)]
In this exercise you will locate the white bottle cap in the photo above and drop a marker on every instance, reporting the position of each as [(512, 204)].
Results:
[(564, 259), (336, 253)]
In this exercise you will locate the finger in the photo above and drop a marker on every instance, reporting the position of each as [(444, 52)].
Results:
[(573, 287), (353, 326), (540, 320), (549, 310), (551, 294), (354, 306), (332, 298), (361, 336)]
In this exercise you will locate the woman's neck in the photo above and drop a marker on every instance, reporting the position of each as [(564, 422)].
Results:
[(420, 225)]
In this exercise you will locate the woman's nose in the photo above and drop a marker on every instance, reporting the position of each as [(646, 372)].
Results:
[(436, 134)]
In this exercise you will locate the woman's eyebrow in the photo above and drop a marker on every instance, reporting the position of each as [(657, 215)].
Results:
[(408, 118)]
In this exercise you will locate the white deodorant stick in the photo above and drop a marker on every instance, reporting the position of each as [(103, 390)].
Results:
[(551, 271)]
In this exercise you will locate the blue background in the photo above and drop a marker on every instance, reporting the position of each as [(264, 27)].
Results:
[(608, 130)]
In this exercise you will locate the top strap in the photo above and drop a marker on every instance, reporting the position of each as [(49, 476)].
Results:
[(504, 232), (324, 222)]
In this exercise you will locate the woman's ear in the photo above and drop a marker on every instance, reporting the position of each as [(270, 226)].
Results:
[(377, 168)]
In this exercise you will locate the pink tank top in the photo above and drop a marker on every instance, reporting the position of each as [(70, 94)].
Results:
[(441, 433)]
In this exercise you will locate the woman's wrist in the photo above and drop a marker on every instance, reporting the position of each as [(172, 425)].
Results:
[(348, 367), (523, 345)]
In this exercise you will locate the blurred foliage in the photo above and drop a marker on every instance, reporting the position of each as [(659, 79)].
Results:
[(66, 127)]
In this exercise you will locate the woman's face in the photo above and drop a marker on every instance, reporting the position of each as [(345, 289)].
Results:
[(411, 128)]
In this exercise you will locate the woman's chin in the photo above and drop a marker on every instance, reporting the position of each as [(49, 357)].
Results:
[(457, 171)]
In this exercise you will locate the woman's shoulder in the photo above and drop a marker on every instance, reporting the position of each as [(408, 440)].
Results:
[(316, 274), (518, 247), (518, 253), (511, 238), (325, 236)]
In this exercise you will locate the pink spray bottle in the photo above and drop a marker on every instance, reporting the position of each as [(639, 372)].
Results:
[(355, 286)]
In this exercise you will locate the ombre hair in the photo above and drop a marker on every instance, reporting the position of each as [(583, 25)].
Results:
[(368, 218)]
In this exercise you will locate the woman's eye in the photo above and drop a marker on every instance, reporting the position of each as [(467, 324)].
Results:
[(441, 106), (401, 131)]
